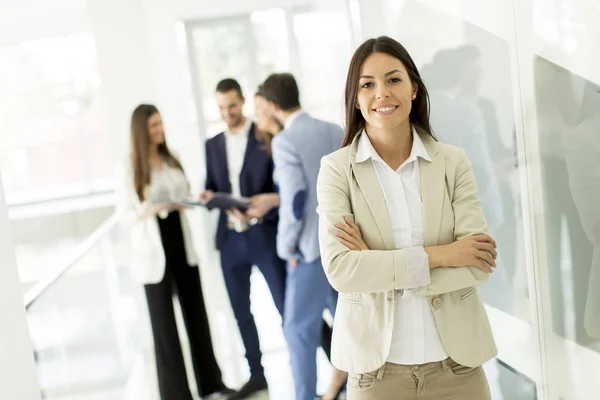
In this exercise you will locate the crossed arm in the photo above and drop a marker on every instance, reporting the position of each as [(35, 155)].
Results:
[(352, 267)]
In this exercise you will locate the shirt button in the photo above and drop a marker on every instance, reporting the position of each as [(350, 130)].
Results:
[(436, 303)]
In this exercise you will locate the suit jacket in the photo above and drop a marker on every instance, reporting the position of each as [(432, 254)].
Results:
[(368, 280), (147, 256), (297, 154), (256, 177)]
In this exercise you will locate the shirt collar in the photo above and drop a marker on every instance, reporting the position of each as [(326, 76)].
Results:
[(366, 150), (242, 133), (292, 118)]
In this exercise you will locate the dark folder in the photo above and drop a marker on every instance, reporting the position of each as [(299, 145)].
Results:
[(221, 201)]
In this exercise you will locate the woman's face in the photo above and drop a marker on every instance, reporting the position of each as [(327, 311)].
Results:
[(385, 92), (264, 121), (155, 129)]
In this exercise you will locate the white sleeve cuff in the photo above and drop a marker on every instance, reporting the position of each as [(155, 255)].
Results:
[(417, 267)]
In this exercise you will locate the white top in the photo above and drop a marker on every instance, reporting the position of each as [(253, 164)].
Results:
[(167, 184), (146, 252), (415, 339), (292, 118), (235, 147)]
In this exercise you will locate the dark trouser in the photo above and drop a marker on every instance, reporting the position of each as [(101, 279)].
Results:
[(183, 280), (237, 259)]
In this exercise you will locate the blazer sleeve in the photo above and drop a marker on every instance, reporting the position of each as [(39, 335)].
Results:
[(293, 190), (350, 271), (127, 202), (469, 220), (271, 187)]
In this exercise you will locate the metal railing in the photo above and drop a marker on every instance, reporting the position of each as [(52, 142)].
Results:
[(39, 288), (83, 319)]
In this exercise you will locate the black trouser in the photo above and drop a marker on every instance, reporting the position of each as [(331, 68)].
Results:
[(183, 280)]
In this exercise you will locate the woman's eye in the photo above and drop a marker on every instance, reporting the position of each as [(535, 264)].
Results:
[(395, 80), (367, 85)]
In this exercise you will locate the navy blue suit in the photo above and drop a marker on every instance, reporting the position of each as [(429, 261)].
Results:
[(256, 246)]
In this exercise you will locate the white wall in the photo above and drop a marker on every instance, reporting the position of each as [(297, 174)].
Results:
[(17, 370), (34, 19), (122, 46)]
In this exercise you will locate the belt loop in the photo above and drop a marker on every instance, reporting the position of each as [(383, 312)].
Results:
[(381, 372), (445, 365)]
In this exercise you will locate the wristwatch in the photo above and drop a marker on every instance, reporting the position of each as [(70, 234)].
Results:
[(254, 221)]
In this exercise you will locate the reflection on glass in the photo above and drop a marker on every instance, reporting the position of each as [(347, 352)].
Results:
[(582, 153), (515, 385), (569, 143), (464, 116)]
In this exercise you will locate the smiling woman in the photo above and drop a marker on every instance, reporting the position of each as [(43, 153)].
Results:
[(382, 74), (404, 240)]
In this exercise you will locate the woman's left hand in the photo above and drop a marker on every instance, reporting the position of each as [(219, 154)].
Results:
[(350, 235)]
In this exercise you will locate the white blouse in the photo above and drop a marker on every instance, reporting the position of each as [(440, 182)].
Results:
[(415, 339), (167, 184)]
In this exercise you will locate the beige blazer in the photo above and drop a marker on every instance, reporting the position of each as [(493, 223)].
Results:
[(368, 280), (147, 256)]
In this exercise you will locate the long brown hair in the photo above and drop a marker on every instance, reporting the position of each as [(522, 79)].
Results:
[(265, 137), (419, 114), (140, 148)]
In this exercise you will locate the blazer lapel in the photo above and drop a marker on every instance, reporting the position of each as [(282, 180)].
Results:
[(433, 186), (252, 144), (224, 170), (367, 180)]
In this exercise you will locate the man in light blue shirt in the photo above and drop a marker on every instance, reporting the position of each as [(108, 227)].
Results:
[(297, 153)]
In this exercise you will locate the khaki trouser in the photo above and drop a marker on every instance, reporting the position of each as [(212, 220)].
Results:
[(445, 380)]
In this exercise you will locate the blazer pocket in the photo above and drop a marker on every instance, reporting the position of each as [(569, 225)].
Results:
[(353, 298), (468, 292)]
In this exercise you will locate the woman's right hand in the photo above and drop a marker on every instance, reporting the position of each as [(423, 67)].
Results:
[(150, 210), (206, 195), (477, 251)]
